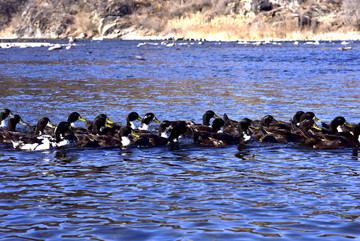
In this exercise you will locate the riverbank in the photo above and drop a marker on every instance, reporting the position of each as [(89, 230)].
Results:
[(205, 20)]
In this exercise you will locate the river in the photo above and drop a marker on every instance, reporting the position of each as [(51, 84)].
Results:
[(265, 191)]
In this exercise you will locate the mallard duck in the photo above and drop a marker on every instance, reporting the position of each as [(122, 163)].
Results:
[(310, 116), (320, 140), (35, 140), (216, 139), (43, 142), (89, 124), (243, 129), (93, 140), (73, 117), (146, 120), (208, 115), (215, 127), (296, 118), (115, 127), (337, 125), (229, 122), (162, 139), (42, 123), (232, 127), (271, 130), (5, 135), (131, 118), (13, 121), (5, 113), (101, 121)]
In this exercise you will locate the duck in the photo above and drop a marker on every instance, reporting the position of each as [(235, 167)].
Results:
[(115, 127), (5, 135), (122, 140), (162, 138), (243, 129), (296, 118), (216, 139), (211, 139), (216, 126), (270, 130), (42, 123), (270, 122), (146, 120), (310, 115), (229, 122), (232, 127), (320, 140), (43, 142), (89, 124), (337, 125), (131, 118), (207, 116), (73, 117), (5, 113)]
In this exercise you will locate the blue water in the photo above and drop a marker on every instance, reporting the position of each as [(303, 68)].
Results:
[(262, 192)]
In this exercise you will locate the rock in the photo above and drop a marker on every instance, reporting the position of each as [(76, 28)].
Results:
[(55, 47)]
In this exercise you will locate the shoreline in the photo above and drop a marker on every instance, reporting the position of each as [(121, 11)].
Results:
[(136, 37), (9, 42)]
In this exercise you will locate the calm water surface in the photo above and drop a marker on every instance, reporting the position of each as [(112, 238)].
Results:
[(263, 192)]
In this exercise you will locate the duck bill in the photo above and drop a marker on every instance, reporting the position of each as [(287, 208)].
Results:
[(22, 122), (139, 118), (217, 117), (108, 125), (51, 125), (316, 127), (156, 120), (134, 134), (348, 125), (81, 119), (108, 121), (317, 120)]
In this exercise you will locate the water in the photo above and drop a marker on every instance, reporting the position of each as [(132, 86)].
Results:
[(263, 192)]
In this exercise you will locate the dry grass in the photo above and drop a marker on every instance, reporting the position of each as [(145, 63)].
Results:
[(192, 19)]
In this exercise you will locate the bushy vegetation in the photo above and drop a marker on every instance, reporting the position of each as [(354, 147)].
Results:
[(63, 18)]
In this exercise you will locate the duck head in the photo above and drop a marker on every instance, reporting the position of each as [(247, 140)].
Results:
[(217, 125), (99, 123), (75, 116), (131, 118), (207, 117), (147, 119), (178, 131), (243, 128), (338, 124), (308, 124), (267, 120), (310, 116), (41, 124), (3, 115), (297, 116), (164, 127), (13, 121), (124, 135), (61, 129)]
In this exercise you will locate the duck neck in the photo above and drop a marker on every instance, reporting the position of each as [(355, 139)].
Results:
[(125, 141), (11, 125), (164, 135), (3, 124), (206, 121), (144, 127), (131, 124)]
